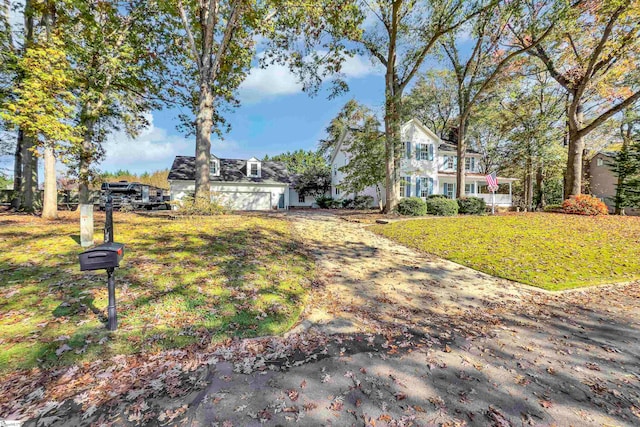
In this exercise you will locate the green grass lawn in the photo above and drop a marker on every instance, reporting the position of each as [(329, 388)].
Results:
[(550, 251), (181, 282)]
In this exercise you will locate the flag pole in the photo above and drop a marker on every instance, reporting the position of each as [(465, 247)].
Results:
[(493, 202)]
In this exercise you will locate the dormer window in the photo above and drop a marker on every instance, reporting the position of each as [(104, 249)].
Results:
[(253, 168), (214, 169)]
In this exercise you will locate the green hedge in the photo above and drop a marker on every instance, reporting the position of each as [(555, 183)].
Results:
[(326, 202), (442, 207), (472, 206), (412, 206), (362, 202), (358, 202)]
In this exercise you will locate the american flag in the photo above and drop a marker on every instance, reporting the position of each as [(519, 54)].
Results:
[(492, 181)]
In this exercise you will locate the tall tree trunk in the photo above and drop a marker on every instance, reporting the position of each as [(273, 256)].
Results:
[(392, 102), (16, 202), (84, 167), (393, 153), (586, 174), (541, 202), (391, 195), (29, 187), (462, 153), (528, 184), (573, 185), (24, 199), (50, 195), (204, 124), (392, 142), (619, 206), (50, 198)]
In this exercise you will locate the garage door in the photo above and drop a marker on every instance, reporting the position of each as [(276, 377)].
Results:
[(248, 201)]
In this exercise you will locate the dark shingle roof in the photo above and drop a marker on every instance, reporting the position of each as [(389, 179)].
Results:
[(453, 146), (231, 170)]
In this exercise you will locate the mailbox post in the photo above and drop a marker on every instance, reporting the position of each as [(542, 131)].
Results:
[(106, 256), (108, 222), (111, 310), (111, 285)]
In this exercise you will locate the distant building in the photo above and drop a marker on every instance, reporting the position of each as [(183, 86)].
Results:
[(242, 184), (428, 166), (603, 180)]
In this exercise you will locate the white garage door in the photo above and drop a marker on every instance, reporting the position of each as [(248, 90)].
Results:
[(248, 201)]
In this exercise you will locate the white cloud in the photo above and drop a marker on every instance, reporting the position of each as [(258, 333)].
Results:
[(277, 80), (360, 66), (262, 83), (154, 149)]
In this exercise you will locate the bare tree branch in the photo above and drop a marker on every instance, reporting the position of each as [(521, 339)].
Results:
[(187, 28), (608, 114)]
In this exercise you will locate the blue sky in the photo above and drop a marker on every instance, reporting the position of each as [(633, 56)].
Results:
[(275, 116)]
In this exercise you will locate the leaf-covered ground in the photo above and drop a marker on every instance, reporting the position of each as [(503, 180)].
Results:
[(390, 337), (551, 251), (182, 282)]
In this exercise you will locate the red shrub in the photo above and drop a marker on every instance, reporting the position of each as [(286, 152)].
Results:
[(584, 204)]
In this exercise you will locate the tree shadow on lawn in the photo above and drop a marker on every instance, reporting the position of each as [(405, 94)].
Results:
[(154, 316), (532, 357), (229, 271), (576, 369), (426, 378)]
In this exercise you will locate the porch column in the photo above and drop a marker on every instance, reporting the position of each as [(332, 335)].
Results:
[(510, 198)]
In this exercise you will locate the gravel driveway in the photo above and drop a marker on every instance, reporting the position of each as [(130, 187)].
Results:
[(417, 340)]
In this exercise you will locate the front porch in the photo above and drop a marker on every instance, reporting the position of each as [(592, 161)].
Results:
[(477, 187)]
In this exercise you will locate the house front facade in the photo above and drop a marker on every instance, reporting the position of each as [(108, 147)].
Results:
[(239, 184), (428, 166)]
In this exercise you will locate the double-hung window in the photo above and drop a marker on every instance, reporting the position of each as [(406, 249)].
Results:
[(469, 188), (426, 187), (450, 162), (421, 152), (405, 184), (424, 151), (450, 190), (470, 164), (300, 198)]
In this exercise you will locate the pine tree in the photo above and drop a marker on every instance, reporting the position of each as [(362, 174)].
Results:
[(626, 166)]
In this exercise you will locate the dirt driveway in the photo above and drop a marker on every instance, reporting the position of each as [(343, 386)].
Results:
[(423, 341), (394, 337)]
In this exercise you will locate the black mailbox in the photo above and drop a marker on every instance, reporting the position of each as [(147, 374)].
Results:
[(105, 256)]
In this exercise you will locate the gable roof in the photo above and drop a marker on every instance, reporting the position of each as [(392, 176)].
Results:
[(338, 146), (607, 153), (231, 170), (423, 128)]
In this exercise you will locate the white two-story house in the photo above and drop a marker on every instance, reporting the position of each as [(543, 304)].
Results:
[(428, 166)]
